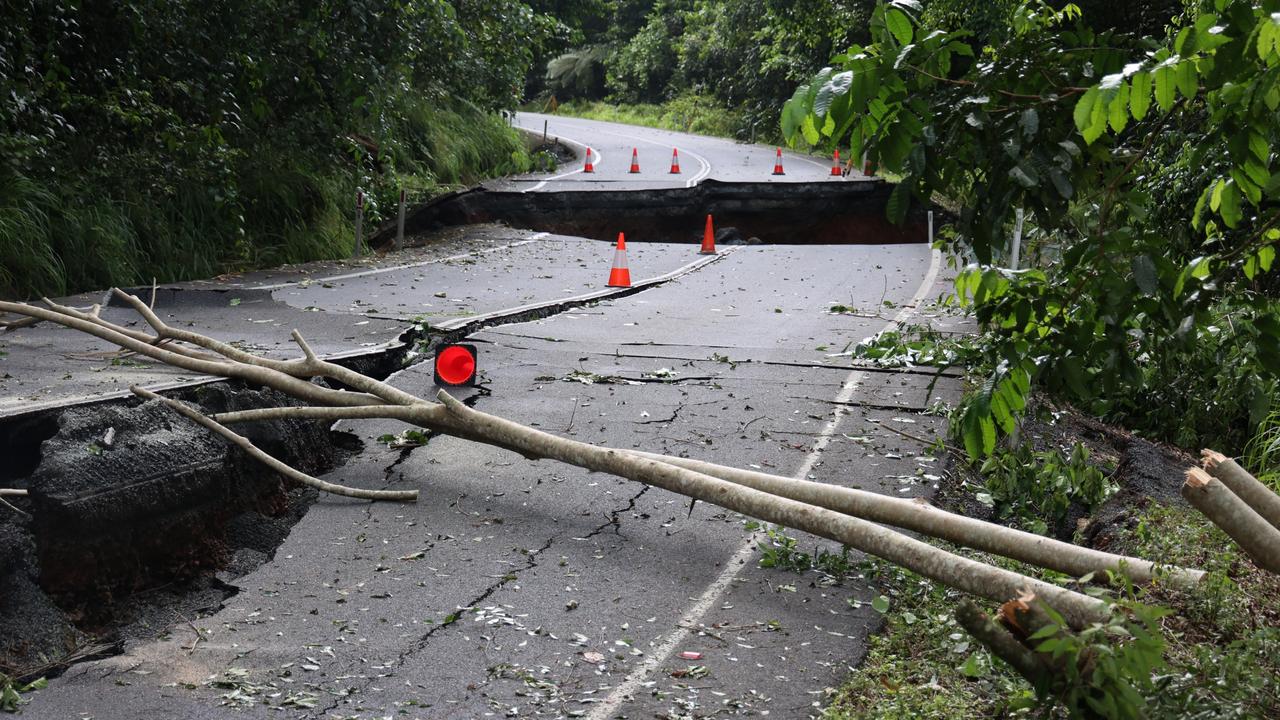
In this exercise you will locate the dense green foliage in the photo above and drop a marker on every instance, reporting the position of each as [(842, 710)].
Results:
[(734, 56), (687, 113), (1146, 168), (177, 139)]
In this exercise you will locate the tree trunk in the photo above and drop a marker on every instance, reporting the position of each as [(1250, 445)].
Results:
[(1257, 496), (923, 518), (1254, 534), (949, 569)]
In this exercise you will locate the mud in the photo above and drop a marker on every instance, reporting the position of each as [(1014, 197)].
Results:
[(1148, 473)]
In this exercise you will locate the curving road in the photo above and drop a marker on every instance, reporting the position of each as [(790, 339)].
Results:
[(701, 158)]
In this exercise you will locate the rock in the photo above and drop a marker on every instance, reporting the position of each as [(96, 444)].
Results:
[(33, 631), (729, 236)]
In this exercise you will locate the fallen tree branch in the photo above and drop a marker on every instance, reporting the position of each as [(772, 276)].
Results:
[(12, 492), (1001, 643), (280, 467), (308, 367), (934, 563), (259, 375), (1251, 531), (921, 517), (912, 515), (1248, 488)]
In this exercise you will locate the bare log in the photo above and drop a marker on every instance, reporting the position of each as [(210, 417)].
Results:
[(280, 467), (1250, 530), (1001, 643), (308, 367), (947, 568), (923, 518), (93, 316), (1248, 488)]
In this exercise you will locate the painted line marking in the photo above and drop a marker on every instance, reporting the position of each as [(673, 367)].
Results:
[(609, 705), (702, 161), (599, 159), (602, 294), (406, 266)]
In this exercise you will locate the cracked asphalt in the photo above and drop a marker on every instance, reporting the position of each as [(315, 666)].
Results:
[(535, 589)]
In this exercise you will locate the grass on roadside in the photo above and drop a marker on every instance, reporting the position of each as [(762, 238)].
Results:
[(284, 204), (687, 113), (1222, 641)]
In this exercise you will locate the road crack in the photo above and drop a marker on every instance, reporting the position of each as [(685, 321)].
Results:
[(390, 668)]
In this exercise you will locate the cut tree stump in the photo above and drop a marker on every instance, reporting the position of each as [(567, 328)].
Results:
[(1251, 531)]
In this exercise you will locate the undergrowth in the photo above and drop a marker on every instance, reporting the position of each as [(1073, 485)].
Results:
[(1219, 645), (278, 205), (688, 113)]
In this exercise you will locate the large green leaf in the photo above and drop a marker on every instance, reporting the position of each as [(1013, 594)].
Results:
[(899, 24), (1140, 95), (1165, 87)]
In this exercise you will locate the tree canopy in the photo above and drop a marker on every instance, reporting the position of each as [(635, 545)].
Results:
[(1146, 167)]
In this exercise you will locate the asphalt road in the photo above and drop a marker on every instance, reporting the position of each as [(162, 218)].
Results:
[(701, 158), (522, 589)]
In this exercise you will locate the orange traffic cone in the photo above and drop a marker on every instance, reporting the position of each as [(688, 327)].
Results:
[(835, 164), (777, 164), (868, 167), (620, 275), (708, 239), (590, 167), (675, 162), (635, 161)]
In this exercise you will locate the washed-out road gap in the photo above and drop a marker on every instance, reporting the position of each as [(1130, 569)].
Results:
[(582, 589)]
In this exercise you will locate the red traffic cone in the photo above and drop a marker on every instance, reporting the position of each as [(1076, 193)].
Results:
[(868, 167), (708, 239), (635, 161), (590, 167), (675, 162), (835, 164), (620, 275), (777, 164)]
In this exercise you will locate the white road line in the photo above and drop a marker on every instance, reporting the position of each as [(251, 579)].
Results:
[(606, 708), (603, 294), (599, 158), (702, 161), (392, 268)]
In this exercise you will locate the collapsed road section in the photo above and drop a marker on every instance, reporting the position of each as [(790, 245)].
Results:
[(773, 213)]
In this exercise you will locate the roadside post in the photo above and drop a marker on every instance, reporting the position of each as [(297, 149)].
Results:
[(400, 224), (359, 246), (930, 228), (1016, 250)]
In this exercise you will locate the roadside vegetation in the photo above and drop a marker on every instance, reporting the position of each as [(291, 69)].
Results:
[(688, 113), (718, 67), (1140, 144), (174, 140)]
